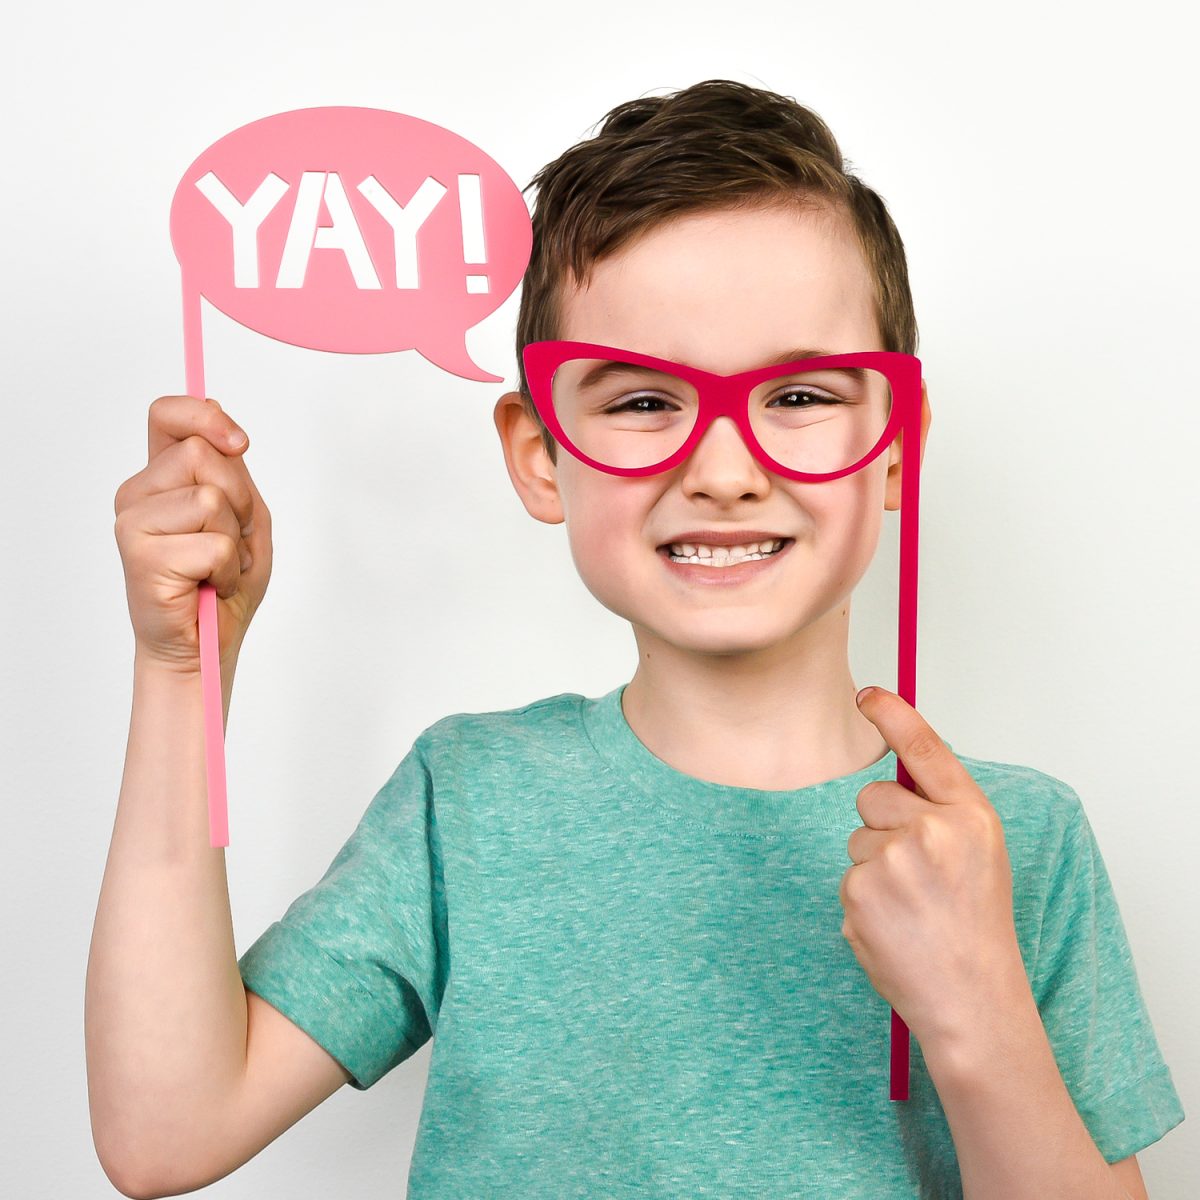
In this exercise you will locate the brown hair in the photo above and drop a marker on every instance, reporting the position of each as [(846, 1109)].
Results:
[(716, 144)]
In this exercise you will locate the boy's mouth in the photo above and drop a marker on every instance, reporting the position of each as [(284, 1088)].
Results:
[(718, 557)]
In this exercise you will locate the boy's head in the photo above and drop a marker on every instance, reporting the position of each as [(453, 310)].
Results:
[(718, 144), (714, 227)]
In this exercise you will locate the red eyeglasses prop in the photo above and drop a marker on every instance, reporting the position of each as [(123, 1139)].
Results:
[(349, 230), (813, 419)]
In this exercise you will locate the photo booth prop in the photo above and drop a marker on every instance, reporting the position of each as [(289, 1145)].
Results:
[(350, 230)]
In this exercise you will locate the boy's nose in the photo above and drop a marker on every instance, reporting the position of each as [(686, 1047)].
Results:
[(723, 457)]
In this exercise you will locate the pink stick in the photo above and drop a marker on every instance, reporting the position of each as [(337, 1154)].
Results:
[(906, 668), (210, 653), (214, 718)]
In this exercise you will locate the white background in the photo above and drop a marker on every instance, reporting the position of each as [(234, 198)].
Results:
[(1040, 164)]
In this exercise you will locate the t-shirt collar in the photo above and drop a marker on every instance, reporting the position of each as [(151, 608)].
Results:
[(831, 804)]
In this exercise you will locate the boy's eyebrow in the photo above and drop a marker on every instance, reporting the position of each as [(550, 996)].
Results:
[(791, 355), (859, 373), (615, 366)]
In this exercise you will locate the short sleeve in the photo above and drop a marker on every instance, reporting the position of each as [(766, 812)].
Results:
[(359, 960), (1086, 988)]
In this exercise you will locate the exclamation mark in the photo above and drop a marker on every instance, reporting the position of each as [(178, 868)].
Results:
[(470, 210)]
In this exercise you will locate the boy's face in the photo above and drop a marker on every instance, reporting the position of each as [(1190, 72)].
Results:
[(723, 291)]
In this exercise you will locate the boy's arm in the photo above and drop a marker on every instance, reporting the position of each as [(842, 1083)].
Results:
[(1024, 1060), (166, 1017), (1015, 1127), (287, 1075), (1129, 1173)]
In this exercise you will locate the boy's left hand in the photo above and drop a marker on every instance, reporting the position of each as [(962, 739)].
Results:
[(928, 901)]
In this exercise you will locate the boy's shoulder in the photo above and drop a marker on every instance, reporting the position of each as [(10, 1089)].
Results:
[(1028, 801), (540, 727)]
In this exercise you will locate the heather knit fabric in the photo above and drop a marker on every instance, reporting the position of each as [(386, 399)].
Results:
[(636, 980)]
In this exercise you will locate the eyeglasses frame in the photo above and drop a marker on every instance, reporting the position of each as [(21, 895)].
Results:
[(727, 396)]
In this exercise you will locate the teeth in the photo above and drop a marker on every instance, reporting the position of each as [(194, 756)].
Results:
[(721, 556)]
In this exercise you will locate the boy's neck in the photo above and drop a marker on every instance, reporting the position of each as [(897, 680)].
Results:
[(715, 718)]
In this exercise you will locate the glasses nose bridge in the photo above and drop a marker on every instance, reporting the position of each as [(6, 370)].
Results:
[(725, 396)]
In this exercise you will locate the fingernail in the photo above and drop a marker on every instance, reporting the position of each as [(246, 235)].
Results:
[(237, 438), (248, 528), (862, 695), (246, 559)]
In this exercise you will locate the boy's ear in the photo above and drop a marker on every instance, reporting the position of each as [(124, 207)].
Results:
[(529, 467), (894, 473)]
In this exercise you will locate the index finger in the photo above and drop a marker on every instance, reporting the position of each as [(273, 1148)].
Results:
[(176, 418), (933, 766)]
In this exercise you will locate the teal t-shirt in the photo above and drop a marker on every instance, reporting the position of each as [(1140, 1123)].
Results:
[(636, 980)]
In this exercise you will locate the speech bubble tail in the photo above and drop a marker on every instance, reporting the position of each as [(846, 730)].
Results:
[(455, 359)]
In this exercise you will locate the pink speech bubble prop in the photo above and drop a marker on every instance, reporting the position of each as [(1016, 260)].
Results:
[(352, 230)]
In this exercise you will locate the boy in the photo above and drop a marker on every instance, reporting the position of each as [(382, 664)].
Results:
[(629, 919)]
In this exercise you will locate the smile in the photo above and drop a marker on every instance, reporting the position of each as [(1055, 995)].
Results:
[(723, 556), (721, 564)]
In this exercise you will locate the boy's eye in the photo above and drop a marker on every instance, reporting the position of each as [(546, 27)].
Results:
[(798, 397), (809, 395), (628, 405)]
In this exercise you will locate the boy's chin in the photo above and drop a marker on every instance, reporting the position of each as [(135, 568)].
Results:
[(726, 634)]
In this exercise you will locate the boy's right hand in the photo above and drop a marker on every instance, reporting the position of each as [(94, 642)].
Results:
[(181, 522)]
